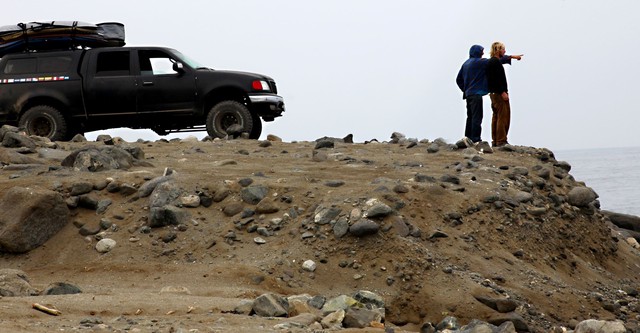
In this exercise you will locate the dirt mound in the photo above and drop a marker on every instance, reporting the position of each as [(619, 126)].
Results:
[(435, 230)]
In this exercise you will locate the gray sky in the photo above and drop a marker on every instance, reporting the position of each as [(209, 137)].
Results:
[(371, 67)]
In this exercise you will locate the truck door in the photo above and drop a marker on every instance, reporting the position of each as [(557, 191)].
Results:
[(162, 89), (110, 86)]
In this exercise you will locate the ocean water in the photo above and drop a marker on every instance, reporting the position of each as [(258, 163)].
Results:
[(614, 173)]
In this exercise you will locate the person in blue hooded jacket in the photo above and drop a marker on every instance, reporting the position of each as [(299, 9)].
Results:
[(472, 80)]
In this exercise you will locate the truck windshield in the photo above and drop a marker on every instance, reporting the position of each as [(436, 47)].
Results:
[(190, 62)]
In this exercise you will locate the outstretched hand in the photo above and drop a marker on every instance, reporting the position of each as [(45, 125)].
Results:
[(517, 57)]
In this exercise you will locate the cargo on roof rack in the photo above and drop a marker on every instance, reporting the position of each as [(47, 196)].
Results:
[(55, 35)]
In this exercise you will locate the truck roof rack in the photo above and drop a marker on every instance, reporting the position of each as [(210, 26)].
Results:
[(59, 35)]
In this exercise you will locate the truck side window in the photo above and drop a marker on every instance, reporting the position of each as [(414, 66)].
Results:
[(54, 64), (20, 66), (113, 64), (155, 63)]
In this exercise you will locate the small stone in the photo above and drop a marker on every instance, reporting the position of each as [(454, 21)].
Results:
[(105, 245), (309, 266)]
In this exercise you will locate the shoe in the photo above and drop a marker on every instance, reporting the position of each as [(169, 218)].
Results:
[(468, 142)]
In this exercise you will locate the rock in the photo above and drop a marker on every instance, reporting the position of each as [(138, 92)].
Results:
[(450, 179), (165, 193), (342, 302), (340, 228), (324, 215), (14, 283), (148, 187), (360, 318), (81, 188), (433, 148), (253, 194), (334, 183), (271, 305), (563, 165), (232, 209), (518, 322), (600, 326), (324, 144), (78, 138), (581, 196), (88, 201), (267, 206), (302, 320), (333, 321), (90, 229), (52, 154), (448, 323), (94, 159), (105, 245), (484, 147), (103, 205), (377, 209), (319, 156), (505, 305), (13, 157), (244, 307), (16, 140), (61, 288), (191, 201), (167, 215), (369, 299), (273, 138), (364, 228), (625, 221), (317, 301), (522, 196), (400, 226), (309, 265), (29, 217)]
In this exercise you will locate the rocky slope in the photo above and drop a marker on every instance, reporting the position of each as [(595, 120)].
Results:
[(168, 236)]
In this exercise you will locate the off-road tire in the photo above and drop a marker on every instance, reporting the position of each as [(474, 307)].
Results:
[(225, 114), (45, 121), (257, 127)]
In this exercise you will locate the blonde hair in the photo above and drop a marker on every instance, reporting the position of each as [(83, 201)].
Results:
[(496, 48)]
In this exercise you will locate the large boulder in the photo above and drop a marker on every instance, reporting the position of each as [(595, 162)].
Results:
[(580, 196), (96, 158), (29, 217)]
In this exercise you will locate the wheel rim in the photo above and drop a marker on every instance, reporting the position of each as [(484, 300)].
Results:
[(41, 126), (227, 120)]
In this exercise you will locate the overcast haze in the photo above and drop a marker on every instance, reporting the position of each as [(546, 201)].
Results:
[(374, 67)]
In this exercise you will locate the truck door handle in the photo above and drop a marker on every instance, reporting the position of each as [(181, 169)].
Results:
[(147, 83)]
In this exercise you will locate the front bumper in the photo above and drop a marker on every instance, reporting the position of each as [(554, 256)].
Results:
[(267, 106)]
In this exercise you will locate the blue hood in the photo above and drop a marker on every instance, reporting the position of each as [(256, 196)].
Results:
[(476, 51)]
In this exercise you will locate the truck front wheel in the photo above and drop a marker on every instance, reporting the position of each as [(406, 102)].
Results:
[(44, 121), (225, 114)]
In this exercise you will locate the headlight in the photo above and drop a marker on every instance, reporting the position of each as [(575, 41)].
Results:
[(260, 85)]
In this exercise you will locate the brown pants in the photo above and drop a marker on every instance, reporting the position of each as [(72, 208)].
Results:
[(500, 119)]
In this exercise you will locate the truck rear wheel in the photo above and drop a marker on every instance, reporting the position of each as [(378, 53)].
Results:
[(225, 114), (45, 121)]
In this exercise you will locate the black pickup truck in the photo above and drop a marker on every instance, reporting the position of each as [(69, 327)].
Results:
[(58, 94)]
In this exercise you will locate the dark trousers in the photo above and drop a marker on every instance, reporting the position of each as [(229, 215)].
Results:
[(500, 120), (473, 129)]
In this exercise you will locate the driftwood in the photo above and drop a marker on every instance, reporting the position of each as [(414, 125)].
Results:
[(46, 310)]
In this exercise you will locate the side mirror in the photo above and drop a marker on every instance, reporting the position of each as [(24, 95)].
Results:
[(178, 67)]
